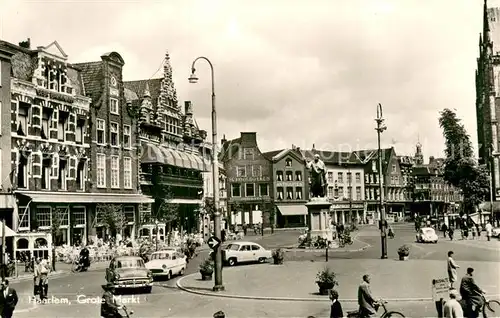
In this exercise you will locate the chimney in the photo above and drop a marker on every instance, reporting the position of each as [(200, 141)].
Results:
[(25, 44), (188, 108), (223, 140)]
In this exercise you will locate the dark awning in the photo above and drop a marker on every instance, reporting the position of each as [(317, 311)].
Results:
[(169, 156)]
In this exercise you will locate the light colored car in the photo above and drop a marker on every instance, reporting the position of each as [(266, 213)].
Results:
[(127, 272), (495, 232), (245, 252), (427, 235), (167, 263)]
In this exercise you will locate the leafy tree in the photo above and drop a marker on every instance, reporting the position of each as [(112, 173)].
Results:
[(113, 217), (55, 229), (461, 169), (209, 207)]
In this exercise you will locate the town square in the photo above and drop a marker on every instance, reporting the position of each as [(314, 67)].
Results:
[(250, 159)]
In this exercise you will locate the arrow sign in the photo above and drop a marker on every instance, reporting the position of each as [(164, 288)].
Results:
[(213, 242)]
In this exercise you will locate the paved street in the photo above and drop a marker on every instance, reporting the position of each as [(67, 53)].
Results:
[(167, 301)]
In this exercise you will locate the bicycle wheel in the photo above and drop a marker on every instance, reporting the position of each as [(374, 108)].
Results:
[(74, 266), (391, 314), (491, 309)]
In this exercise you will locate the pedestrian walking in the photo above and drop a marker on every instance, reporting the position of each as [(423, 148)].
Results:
[(452, 269), (44, 270), (452, 308), (450, 233), (489, 230), (444, 228), (473, 232), (336, 307), (36, 279), (8, 300)]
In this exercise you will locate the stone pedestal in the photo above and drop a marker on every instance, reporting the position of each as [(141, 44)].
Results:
[(318, 219)]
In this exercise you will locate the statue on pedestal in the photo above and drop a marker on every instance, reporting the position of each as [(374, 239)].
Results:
[(318, 177)]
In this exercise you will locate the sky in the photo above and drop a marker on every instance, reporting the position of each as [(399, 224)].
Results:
[(295, 71)]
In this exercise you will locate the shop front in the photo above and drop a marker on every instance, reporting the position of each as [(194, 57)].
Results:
[(292, 215), (347, 212)]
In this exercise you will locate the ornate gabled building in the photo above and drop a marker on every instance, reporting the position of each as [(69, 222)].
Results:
[(174, 154), (113, 149), (50, 143)]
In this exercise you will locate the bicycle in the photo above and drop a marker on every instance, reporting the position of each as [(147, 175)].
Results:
[(345, 239), (385, 314), (76, 266), (487, 308)]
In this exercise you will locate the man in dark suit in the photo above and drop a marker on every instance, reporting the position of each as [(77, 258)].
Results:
[(8, 299)]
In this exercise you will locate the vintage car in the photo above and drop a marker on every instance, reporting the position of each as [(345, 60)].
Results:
[(167, 263), (427, 235), (127, 272), (245, 252)]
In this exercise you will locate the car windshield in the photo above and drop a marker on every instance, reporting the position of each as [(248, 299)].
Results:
[(429, 231), (233, 247), (130, 263), (161, 256)]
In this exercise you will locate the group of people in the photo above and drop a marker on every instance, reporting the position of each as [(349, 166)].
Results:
[(470, 292)]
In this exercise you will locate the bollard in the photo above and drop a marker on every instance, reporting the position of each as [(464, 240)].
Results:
[(327, 246)]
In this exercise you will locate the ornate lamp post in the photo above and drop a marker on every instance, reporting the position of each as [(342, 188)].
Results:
[(218, 286), (380, 129)]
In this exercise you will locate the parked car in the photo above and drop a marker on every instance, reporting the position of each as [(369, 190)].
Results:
[(427, 235), (495, 232), (167, 263), (129, 272), (245, 252)]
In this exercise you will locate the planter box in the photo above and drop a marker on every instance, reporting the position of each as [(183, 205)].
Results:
[(278, 260), (324, 288), (403, 257), (206, 275)]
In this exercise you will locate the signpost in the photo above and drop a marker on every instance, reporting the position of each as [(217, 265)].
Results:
[(213, 243), (440, 292)]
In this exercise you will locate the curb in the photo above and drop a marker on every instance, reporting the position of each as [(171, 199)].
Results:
[(294, 299)]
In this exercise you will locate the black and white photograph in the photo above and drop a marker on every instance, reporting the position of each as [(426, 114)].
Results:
[(249, 159)]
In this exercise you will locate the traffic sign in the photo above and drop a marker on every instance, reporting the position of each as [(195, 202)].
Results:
[(213, 242)]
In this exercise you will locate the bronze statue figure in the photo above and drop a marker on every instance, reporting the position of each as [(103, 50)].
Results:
[(318, 177)]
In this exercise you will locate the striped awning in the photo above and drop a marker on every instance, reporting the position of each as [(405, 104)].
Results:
[(169, 156)]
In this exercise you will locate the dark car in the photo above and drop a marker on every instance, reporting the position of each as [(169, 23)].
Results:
[(129, 272)]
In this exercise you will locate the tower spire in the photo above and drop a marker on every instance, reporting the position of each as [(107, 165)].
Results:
[(486, 23)]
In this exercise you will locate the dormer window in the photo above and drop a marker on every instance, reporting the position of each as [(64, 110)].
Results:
[(288, 162)]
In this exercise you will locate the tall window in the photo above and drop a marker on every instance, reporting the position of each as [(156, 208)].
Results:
[(374, 165), (22, 115), (80, 175), (44, 217), (114, 134), (22, 171), (279, 175), (46, 118), (341, 192), (61, 179), (358, 193), (330, 192), (129, 213), (263, 189), (298, 193), (358, 177), (115, 172), (330, 177), (236, 190), (127, 172), (80, 131), (46, 166), (280, 192), (289, 176), (349, 193), (340, 177), (126, 136), (78, 215), (101, 132), (349, 178), (113, 106), (289, 193), (298, 175), (101, 170), (61, 125), (250, 190)]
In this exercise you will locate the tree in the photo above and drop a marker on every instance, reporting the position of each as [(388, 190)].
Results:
[(55, 229), (461, 169), (113, 217), (209, 207)]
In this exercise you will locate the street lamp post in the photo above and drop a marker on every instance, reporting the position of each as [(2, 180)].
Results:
[(218, 286), (380, 129)]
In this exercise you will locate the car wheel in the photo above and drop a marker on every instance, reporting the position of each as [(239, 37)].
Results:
[(148, 289), (435, 242), (169, 275), (262, 259), (181, 272), (231, 261)]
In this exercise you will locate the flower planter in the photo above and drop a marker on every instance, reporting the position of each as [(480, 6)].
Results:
[(403, 257), (206, 275), (278, 260), (324, 287)]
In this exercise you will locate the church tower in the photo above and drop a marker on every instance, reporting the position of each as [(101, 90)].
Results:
[(419, 156)]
